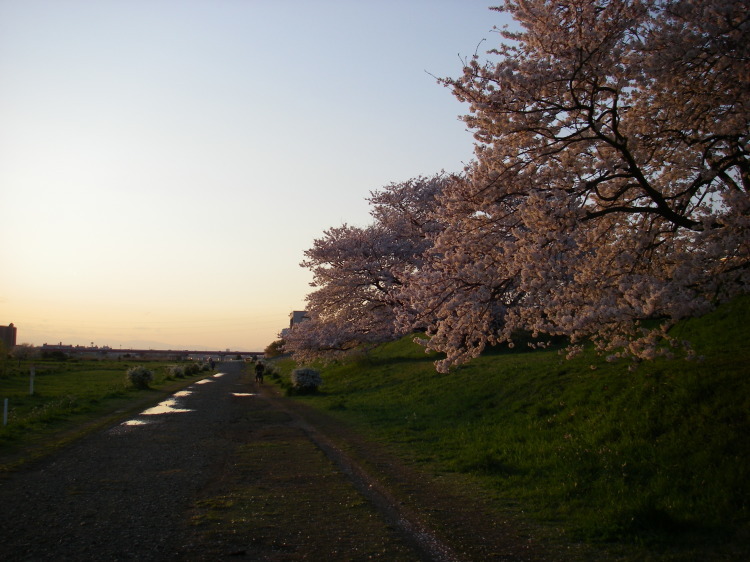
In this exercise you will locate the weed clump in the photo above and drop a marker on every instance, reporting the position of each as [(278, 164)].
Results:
[(192, 369), (182, 371), (176, 371), (272, 372), (305, 381), (139, 377)]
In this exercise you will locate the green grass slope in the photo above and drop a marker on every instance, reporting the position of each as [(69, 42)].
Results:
[(658, 457)]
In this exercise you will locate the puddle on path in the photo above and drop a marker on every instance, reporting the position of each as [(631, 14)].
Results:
[(171, 405), (243, 394), (136, 422)]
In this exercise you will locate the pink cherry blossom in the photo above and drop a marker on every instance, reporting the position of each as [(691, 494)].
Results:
[(358, 273), (608, 198), (611, 178)]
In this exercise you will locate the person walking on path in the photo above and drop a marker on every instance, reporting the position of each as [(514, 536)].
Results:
[(259, 368)]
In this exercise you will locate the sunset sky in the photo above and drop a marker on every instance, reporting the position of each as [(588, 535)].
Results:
[(165, 164)]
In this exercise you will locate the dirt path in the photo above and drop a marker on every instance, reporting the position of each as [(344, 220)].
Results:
[(229, 471), (301, 486), (120, 493)]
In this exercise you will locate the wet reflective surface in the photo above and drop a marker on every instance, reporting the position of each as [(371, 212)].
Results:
[(171, 405), (127, 492), (136, 422)]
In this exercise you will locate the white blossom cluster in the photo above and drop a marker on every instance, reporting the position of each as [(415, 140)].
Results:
[(306, 379), (609, 196)]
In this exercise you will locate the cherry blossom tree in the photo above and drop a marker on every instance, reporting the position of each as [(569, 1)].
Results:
[(358, 273), (610, 187)]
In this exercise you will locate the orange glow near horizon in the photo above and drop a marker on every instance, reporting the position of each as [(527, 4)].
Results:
[(163, 176)]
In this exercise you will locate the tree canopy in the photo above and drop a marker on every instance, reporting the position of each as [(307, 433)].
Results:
[(609, 187), (358, 273)]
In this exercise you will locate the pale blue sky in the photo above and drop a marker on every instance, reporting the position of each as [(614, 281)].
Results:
[(164, 164)]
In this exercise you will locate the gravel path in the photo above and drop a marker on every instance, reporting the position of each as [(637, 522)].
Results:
[(121, 494), (134, 491)]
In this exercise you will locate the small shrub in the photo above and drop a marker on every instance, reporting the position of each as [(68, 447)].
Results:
[(192, 369), (139, 377), (305, 381), (176, 371), (271, 371), (55, 355)]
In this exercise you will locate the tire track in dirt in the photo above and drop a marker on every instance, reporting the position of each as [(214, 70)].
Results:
[(412, 527), (432, 513)]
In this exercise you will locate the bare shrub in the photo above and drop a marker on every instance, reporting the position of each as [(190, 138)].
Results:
[(139, 376)]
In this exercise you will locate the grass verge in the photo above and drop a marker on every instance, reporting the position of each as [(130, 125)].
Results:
[(653, 463), (71, 399)]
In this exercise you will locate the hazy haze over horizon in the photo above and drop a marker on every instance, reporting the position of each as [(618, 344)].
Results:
[(164, 165)]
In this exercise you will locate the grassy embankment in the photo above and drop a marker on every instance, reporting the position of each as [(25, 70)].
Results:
[(659, 457), (70, 398)]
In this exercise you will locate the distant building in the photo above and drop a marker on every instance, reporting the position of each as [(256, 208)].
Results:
[(297, 317), (8, 336)]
